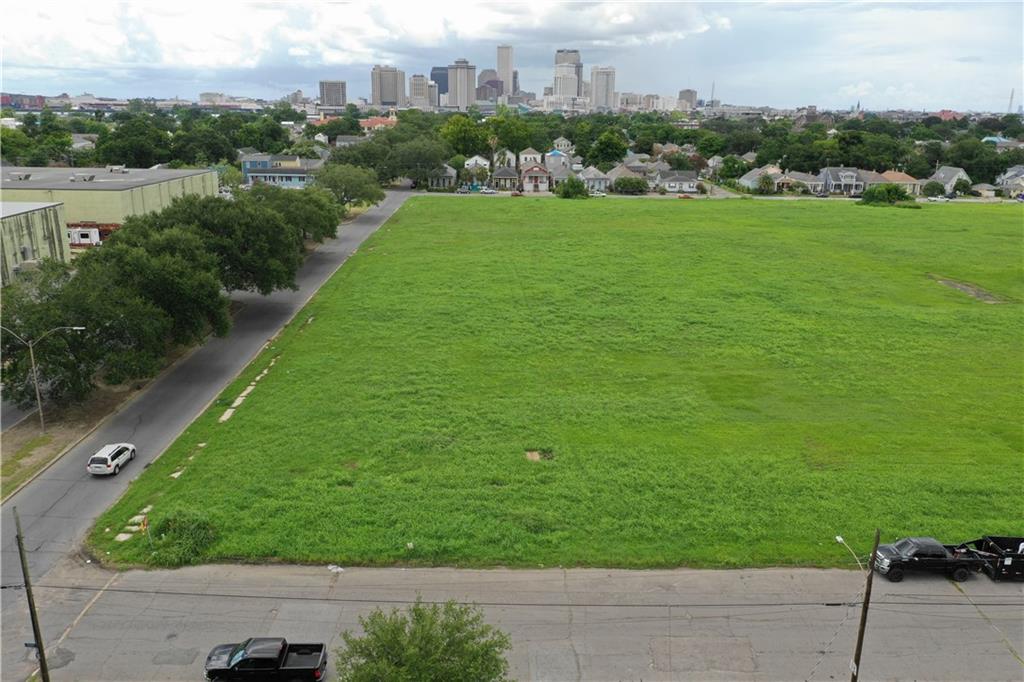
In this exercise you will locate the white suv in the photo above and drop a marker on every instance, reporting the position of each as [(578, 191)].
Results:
[(110, 458)]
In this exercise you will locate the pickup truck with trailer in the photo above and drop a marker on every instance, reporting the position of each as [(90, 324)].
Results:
[(1003, 556), (927, 555), (260, 659)]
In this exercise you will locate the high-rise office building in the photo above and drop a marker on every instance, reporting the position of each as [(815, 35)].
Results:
[(505, 70), (419, 92), (332, 93), (688, 96), (486, 75), (433, 95), (387, 86), (566, 83), (515, 82), (602, 88), (439, 74), (461, 84), (571, 57)]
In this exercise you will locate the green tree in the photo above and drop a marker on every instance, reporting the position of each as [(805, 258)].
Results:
[(312, 209), (629, 186), (200, 145), (374, 154), (933, 188), (264, 134), (230, 177), (609, 146), (765, 185), (15, 145), (418, 159), (962, 186), (464, 136), (732, 167), (350, 185), (136, 143), (884, 194), (427, 643), (572, 188), (679, 161)]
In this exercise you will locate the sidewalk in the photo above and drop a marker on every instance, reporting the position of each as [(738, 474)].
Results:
[(577, 624)]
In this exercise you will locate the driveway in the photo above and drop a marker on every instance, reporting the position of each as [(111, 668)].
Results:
[(59, 506)]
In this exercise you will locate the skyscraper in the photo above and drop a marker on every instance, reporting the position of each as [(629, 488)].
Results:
[(419, 92), (567, 84), (602, 88), (461, 84), (688, 96), (332, 93), (387, 86), (439, 74), (486, 75), (515, 82), (571, 57), (505, 70)]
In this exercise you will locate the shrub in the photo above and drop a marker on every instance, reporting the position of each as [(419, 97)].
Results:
[(765, 185), (662, 190), (884, 194), (962, 186), (427, 642), (702, 188), (181, 537), (933, 188), (630, 186), (572, 188)]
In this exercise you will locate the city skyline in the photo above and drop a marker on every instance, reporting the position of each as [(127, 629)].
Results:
[(832, 55)]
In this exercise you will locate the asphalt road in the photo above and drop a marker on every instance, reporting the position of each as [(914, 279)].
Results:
[(11, 415), (59, 506), (576, 624)]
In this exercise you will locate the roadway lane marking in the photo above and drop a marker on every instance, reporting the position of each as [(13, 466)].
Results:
[(988, 620), (77, 620)]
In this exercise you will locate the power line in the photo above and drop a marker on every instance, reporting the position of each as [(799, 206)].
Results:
[(626, 605)]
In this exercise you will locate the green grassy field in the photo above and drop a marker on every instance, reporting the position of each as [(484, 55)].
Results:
[(712, 383)]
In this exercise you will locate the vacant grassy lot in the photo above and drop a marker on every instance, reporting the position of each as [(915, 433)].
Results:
[(708, 383)]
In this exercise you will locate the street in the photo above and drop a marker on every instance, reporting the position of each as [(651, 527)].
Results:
[(60, 505), (577, 624)]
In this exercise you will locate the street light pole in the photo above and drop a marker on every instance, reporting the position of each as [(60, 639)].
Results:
[(35, 372)]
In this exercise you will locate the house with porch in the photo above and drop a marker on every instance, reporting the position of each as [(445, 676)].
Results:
[(677, 181), (474, 162), (536, 178), (505, 178), (752, 178), (560, 174), (1011, 182), (621, 171), (841, 180), (595, 180), (445, 178)]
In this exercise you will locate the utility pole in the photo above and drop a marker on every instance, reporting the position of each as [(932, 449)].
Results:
[(855, 663), (44, 671)]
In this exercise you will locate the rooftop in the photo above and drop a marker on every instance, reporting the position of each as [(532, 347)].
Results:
[(111, 178), (13, 208)]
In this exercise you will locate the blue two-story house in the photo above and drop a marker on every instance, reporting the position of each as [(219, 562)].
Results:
[(279, 169)]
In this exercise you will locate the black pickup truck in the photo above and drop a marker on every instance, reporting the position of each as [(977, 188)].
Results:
[(927, 555), (266, 659)]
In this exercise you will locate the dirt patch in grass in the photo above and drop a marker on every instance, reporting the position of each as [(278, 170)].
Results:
[(970, 289), (538, 455)]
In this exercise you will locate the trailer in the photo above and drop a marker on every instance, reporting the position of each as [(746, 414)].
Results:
[(1004, 556)]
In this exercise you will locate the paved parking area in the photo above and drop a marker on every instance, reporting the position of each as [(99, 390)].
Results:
[(578, 624)]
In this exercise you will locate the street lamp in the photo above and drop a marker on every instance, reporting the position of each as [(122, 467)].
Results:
[(841, 541), (32, 358)]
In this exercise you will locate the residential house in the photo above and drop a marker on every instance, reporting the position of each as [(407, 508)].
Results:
[(595, 180), (375, 123), (348, 140), (750, 157), (907, 182), (283, 170), (752, 179), (474, 162), (678, 181), (505, 177), (536, 178), (556, 159), (622, 171), (83, 141), (948, 175), (504, 158), (560, 174), (530, 157), (1008, 145), (445, 178), (659, 149), (636, 158), (322, 138), (577, 163), (871, 178), (841, 180), (563, 145), (714, 163), (789, 179), (984, 190), (1011, 182)]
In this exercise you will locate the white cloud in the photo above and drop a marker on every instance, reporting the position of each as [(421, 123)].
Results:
[(861, 89)]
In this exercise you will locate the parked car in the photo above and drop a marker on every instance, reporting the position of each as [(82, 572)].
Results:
[(488, 190), (937, 199), (950, 195), (266, 658), (109, 459), (598, 194), (1004, 556), (462, 190), (927, 555), (822, 195), (684, 196)]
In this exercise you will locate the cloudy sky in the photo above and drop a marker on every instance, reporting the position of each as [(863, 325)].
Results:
[(921, 55)]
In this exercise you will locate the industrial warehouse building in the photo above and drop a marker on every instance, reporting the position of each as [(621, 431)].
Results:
[(30, 231), (105, 196)]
